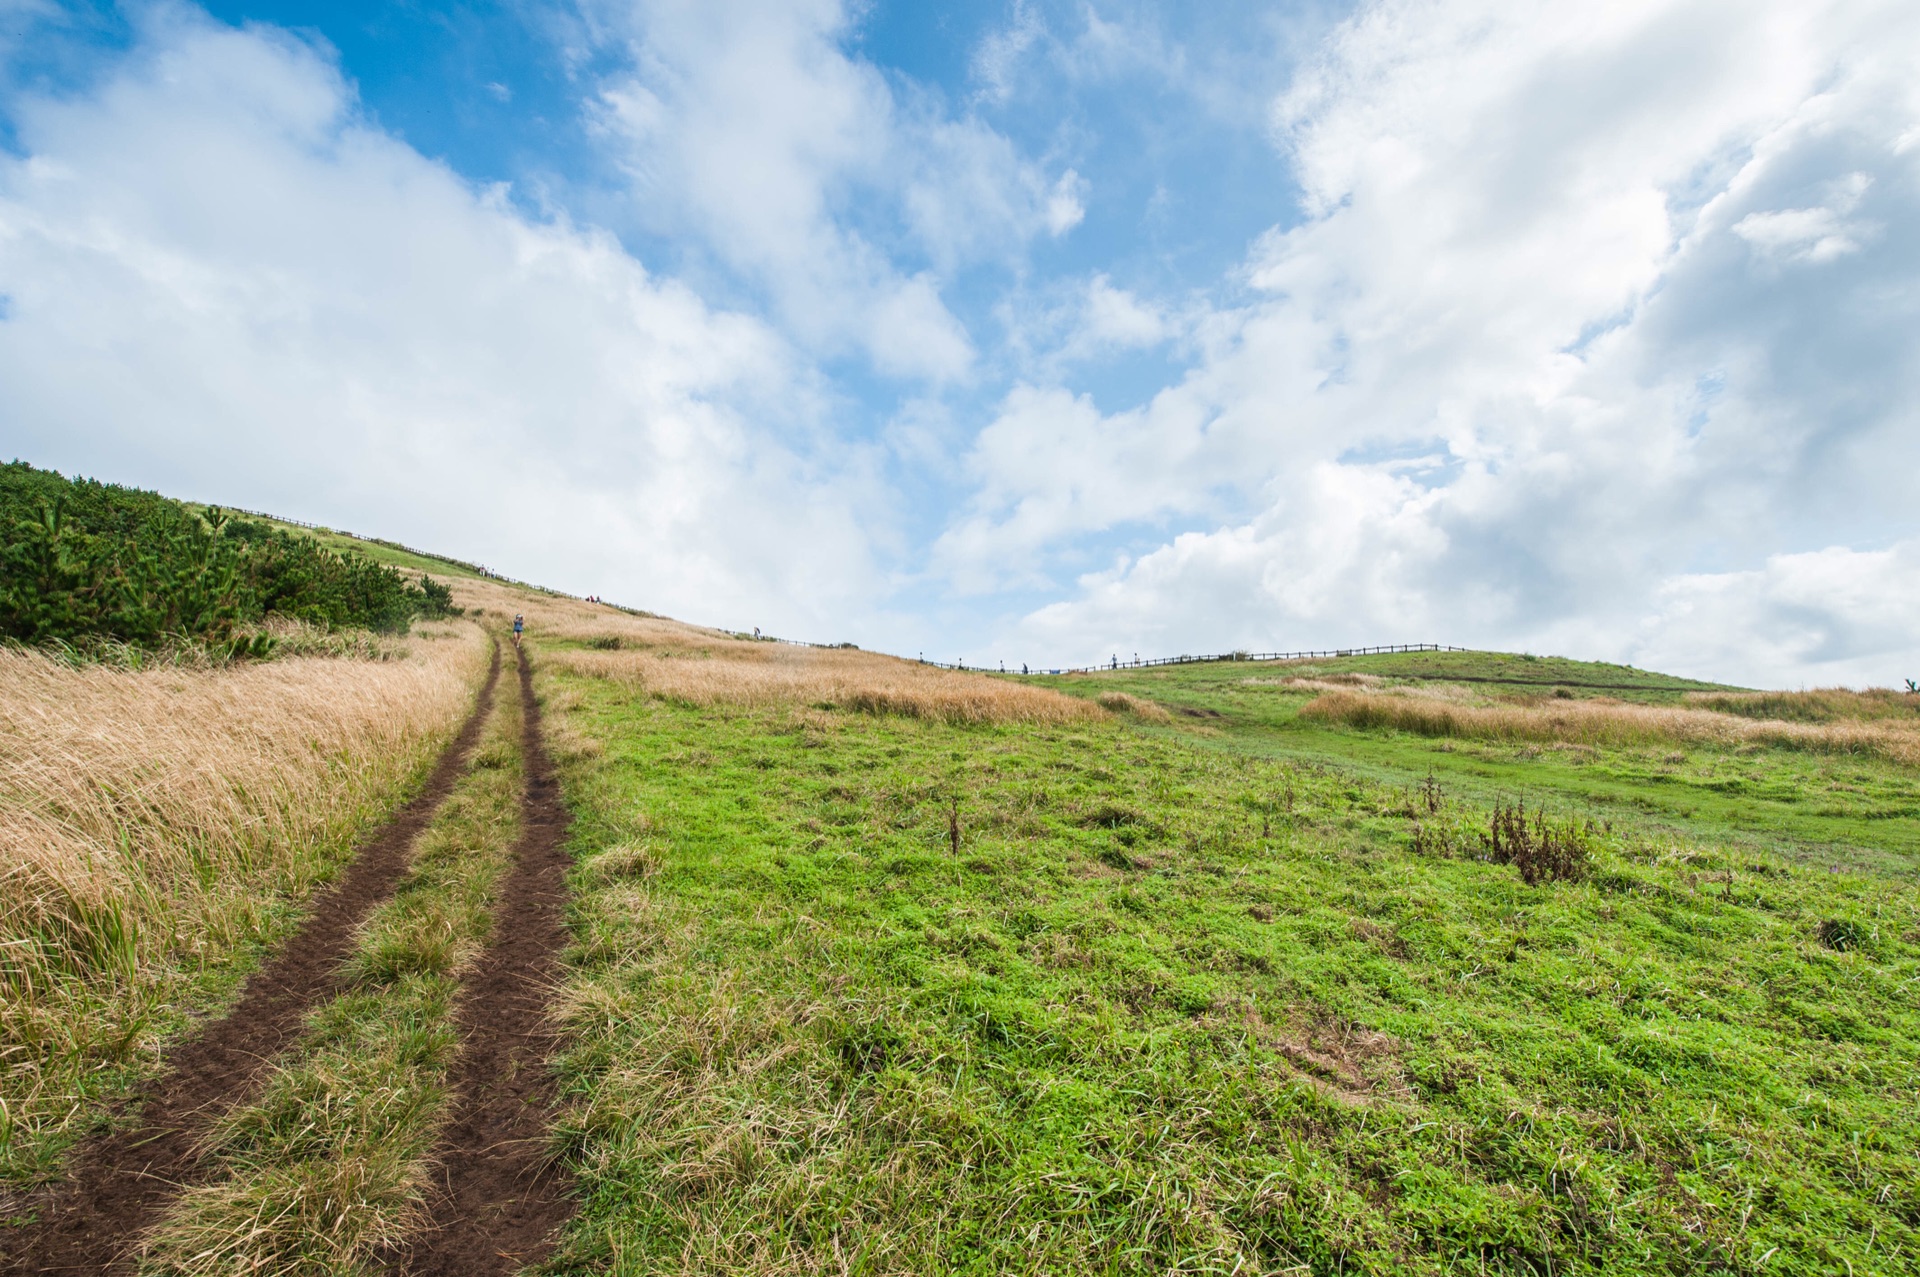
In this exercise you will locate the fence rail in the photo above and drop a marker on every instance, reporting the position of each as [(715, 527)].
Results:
[(1150, 662)]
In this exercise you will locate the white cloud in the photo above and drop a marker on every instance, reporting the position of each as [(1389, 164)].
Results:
[(1835, 616), (1815, 235), (227, 286), (1528, 362), (1066, 208), (746, 124), (997, 57), (1116, 317)]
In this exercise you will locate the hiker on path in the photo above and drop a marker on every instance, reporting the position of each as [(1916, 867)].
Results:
[(519, 623)]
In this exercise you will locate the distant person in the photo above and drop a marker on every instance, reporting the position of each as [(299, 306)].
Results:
[(1023, 667), (1116, 661), (519, 623)]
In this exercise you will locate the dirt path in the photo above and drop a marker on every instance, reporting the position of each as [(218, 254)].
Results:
[(500, 1197), (117, 1182)]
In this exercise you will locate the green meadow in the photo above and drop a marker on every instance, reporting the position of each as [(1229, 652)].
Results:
[(1229, 990)]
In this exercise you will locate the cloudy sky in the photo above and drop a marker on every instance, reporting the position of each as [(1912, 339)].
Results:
[(1033, 330)]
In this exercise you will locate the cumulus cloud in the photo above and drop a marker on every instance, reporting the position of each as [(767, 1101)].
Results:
[(226, 284), (1531, 365), (1117, 317), (746, 124), (1822, 618), (1817, 234)]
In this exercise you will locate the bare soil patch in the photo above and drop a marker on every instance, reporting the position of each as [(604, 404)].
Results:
[(117, 1182)]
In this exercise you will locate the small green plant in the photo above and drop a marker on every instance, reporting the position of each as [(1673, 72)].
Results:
[(250, 647), (1841, 934)]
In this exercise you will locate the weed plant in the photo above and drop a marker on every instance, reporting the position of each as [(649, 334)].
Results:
[(1542, 850)]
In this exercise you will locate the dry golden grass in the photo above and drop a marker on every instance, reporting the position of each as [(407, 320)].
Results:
[(1608, 722), (151, 820), (696, 666), (1138, 706), (770, 675), (1821, 705)]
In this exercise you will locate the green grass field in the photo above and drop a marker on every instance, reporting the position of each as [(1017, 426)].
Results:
[(1826, 810), (1188, 996)]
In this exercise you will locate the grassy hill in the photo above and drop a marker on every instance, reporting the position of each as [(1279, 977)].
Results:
[(1844, 806), (1200, 978), (1221, 967)]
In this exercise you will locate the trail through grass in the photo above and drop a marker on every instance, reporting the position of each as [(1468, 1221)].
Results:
[(160, 829), (328, 1164)]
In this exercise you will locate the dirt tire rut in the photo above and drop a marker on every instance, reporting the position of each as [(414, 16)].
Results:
[(499, 1196), (117, 1183)]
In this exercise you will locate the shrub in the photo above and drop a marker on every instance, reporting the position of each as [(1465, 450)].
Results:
[(436, 599), (86, 562)]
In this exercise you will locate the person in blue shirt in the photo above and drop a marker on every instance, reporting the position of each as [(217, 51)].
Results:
[(519, 623)]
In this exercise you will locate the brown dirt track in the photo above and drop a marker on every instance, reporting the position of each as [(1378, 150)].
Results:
[(117, 1182), (500, 1196)]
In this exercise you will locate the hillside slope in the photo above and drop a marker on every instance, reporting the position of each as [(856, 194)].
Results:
[(1213, 976), (1431, 962)]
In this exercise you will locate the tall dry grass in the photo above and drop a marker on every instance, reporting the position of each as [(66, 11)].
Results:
[(697, 666), (767, 675), (153, 820), (1608, 722), (1821, 705)]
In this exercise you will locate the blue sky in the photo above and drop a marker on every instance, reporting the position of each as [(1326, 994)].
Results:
[(1024, 331)]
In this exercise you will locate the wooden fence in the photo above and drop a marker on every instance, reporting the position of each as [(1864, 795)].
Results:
[(1315, 654)]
